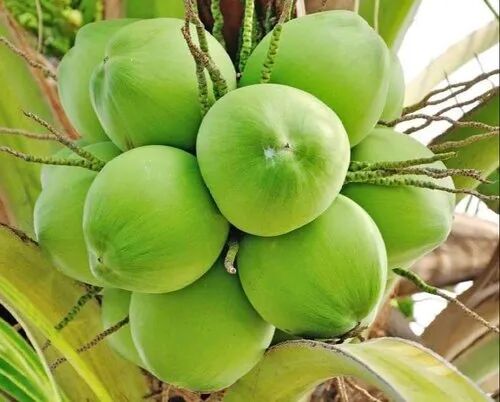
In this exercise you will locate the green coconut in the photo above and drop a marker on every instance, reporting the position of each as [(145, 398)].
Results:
[(273, 157), (335, 56), (413, 221), (145, 91), (58, 213), (396, 93), (75, 70), (203, 337), (150, 223), (319, 281), (115, 307)]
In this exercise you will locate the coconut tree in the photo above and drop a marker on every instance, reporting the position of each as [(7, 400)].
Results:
[(62, 339)]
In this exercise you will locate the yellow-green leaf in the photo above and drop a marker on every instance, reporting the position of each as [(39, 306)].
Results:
[(26, 372), (40, 297), (403, 370), (19, 181), (480, 362)]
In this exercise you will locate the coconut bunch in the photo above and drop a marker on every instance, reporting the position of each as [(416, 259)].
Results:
[(214, 209)]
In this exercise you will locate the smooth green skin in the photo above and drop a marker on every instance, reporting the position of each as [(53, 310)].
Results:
[(75, 70), (115, 307), (58, 213), (146, 91), (396, 93), (203, 337), (321, 280), (335, 56), (150, 223), (413, 221), (277, 163)]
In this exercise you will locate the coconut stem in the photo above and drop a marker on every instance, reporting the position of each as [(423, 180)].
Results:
[(357, 165), (218, 21), (27, 134), (94, 342), (394, 181), (272, 51), (51, 160), (45, 70), (420, 284), (72, 313), (441, 173), (421, 171), (246, 41), (453, 145), (66, 141), (232, 250), (483, 98), (376, 10), (50, 137), (271, 54), (433, 118), (200, 27), (201, 53), (200, 70), (464, 86)]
